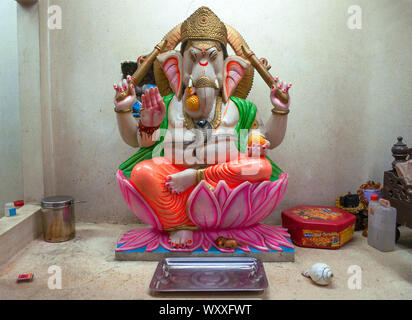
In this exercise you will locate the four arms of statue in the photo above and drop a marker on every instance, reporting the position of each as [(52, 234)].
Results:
[(203, 123)]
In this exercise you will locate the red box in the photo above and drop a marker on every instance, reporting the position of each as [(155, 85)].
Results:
[(319, 226)]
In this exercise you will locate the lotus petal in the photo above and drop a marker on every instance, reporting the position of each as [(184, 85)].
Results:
[(202, 207), (284, 185), (154, 244), (222, 192), (133, 234), (237, 207), (258, 195), (136, 202), (141, 237), (276, 229), (272, 236), (266, 208), (272, 245), (278, 236), (274, 192), (250, 237), (206, 245), (254, 186), (121, 184)]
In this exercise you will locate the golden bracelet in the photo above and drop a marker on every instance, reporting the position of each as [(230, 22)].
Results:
[(200, 175), (280, 112), (122, 111)]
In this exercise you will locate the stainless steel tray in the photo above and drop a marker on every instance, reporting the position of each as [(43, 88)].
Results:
[(209, 274)]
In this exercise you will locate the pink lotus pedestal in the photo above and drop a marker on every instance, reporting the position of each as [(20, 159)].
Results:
[(231, 213)]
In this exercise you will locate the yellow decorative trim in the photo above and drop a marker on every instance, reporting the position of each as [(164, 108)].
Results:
[(178, 228), (280, 112), (122, 95), (200, 175), (255, 125), (122, 111), (204, 82), (203, 24)]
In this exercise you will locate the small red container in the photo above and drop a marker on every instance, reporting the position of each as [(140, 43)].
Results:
[(319, 226)]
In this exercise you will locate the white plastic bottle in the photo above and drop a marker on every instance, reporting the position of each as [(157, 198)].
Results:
[(381, 225), (373, 203)]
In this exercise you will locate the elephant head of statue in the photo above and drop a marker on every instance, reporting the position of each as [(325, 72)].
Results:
[(202, 70)]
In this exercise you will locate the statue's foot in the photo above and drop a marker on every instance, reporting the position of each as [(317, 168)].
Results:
[(181, 238), (181, 181)]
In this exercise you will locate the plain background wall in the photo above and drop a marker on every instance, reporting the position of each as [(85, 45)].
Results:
[(351, 93), (11, 176)]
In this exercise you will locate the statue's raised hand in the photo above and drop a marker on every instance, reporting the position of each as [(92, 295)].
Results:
[(124, 88), (279, 95), (153, 108)]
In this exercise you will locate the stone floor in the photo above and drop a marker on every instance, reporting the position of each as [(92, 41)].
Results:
[(89, 271)]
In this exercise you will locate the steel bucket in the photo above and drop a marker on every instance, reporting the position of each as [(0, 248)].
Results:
[(58, 218)]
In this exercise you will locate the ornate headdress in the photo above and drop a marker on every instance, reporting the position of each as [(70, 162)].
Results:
[(203, 24), (194, 28)]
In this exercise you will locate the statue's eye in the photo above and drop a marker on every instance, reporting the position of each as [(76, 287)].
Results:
[(213, 55), (193, 55)]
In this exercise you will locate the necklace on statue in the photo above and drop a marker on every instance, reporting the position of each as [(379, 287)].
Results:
[(204, 124)]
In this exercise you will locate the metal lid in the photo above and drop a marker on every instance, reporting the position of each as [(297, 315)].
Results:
[(57, 202)]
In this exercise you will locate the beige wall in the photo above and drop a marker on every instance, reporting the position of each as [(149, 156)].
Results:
[(350, 99), (11, 177), (32, 118)]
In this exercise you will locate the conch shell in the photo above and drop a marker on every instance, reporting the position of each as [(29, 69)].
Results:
[(320, 273)]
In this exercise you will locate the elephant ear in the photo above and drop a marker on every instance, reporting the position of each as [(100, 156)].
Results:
[(233, 71), (171, 62)]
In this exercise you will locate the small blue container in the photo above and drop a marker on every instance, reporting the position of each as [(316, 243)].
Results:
[(9, 209), (368, 193)]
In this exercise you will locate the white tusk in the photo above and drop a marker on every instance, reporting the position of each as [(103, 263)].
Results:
[(190, 82), (217, 84)]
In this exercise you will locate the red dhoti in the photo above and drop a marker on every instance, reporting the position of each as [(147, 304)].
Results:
[(149, 177)]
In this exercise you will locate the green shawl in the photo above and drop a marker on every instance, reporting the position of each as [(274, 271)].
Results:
[(247, 114)]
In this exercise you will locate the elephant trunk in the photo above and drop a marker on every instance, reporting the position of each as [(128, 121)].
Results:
[(205, 97)]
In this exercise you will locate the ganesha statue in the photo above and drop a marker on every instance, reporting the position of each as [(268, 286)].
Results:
[(201, 171)]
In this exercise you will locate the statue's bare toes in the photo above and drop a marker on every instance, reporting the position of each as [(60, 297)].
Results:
[(174, 240), (171, 187), (170, 184), (181, 181), (181, 239)]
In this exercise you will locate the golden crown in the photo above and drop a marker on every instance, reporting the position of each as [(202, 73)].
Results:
[(203, 24)]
